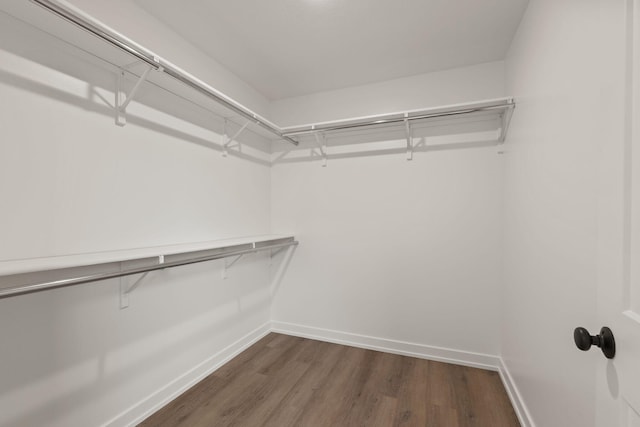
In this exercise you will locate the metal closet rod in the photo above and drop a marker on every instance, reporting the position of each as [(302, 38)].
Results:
[(382, 121), (157, 64), (43, 286)]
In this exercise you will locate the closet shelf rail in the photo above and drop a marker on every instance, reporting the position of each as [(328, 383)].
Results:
[(502, 106), (221, 252), (97, 29)]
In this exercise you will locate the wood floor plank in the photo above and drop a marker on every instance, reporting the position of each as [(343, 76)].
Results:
[(288, 381), (333, 393), (440, 388), (263, 401), (360, 397), (463, 402), (489, 398), (442, 416), (413, 393), (321, 362), (391, 365), (383, 413)]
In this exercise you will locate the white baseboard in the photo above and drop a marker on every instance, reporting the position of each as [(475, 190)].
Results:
[(458, 357), (141, 410), (524, 416), (138, 412)]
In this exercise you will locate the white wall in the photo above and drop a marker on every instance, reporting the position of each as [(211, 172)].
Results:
[(73, 182), (405, 251), (400, 250), (556, 72), (458, 85)]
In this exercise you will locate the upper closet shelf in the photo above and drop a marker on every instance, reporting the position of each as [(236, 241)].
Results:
[(114, 48), (495, 110), (71, 26)]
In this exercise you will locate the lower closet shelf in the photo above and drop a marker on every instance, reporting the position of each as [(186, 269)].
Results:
[(19, 277)]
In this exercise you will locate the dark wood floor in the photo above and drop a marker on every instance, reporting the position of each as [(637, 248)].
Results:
[(288, 381)]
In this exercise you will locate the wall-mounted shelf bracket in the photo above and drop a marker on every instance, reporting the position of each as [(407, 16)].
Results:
[(126, 288), (122, 99), (280, 268), (227, 141), (275, 252), (409, 136), (321, 140), (506, 120), (228, 265)]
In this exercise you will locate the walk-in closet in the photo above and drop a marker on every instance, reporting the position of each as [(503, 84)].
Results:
[(320, 213)]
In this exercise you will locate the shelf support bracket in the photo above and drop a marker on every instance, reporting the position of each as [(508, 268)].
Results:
[(321, 140), (226, 143), (126, 289), (276, 279), (409, 136), (123, 100), (228, 265), (275, 252), (506, 120)]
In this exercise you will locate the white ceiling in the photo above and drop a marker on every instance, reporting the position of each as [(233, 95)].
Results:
[(286, 48)]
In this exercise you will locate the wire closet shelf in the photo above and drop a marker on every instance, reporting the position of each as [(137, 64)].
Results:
[(502, 108), (10, 283)]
